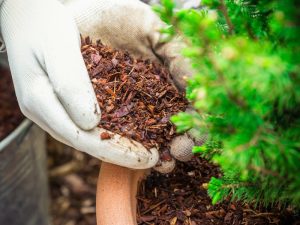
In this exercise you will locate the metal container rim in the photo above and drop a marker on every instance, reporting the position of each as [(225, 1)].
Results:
[(13, 135)]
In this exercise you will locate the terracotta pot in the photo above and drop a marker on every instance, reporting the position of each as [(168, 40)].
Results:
[(116, 195)]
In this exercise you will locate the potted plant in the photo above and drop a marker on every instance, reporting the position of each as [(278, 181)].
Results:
[(241, 51)]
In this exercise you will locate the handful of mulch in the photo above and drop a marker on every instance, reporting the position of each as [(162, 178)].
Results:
[(136, 97)]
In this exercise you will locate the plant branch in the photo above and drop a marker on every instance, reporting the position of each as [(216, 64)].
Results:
[(223, 9)]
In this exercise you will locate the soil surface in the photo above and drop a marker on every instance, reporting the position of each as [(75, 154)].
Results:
[(173, 199), (10, 114), (181, 198)]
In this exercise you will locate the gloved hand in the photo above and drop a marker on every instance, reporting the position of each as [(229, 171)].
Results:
[(133, 26), (52, 84)]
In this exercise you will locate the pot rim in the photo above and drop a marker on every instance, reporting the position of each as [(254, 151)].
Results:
[(25, 124)]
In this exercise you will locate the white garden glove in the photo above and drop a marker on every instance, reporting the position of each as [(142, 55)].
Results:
[(52, 83), (132, 25)]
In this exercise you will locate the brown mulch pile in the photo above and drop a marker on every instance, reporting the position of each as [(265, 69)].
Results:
[(181, 198), (136, 97), (10, 114)]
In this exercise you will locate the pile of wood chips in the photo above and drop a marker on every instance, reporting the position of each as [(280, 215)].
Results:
[(136, 97)]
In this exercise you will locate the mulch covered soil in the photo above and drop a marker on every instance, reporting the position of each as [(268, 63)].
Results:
[(181, 198), (136, 97), (10, 114)]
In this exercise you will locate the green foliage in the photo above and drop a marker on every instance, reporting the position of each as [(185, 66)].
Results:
[(246, 91)]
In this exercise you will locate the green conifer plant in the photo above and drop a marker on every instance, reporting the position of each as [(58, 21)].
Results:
[(246, 92)]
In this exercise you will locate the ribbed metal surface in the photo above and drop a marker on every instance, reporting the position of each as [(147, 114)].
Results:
[(23, 180)]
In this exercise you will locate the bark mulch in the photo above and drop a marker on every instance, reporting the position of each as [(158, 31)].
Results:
[(136, 97), (10, 114), (181, 198)]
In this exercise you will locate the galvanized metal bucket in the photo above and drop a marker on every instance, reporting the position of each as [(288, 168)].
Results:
[(23, 177), (23, 174)]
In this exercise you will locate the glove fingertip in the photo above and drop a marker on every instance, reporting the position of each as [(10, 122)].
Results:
[(165, 166), (181, 148)]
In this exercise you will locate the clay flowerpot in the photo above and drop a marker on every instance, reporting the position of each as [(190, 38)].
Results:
[(116, 195)]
